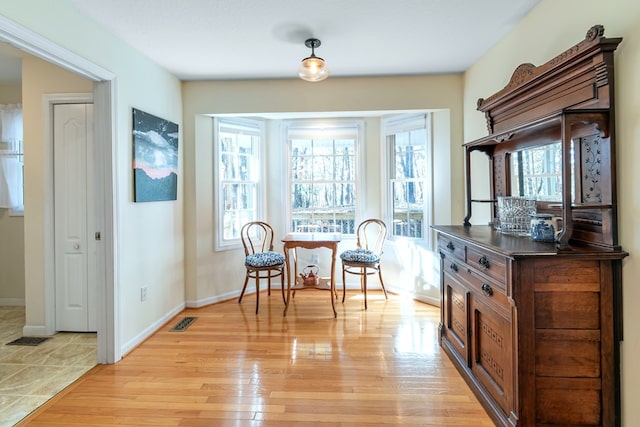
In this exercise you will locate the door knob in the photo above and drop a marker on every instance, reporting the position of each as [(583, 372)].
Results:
[(76, 246)]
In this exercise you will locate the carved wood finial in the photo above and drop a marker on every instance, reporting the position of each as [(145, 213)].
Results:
[(594, 32), (521, 74)]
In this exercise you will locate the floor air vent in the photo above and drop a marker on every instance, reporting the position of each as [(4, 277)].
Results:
[(32, 341), (183, 324)]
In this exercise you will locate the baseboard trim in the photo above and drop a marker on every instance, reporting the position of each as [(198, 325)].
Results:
[(428, 300), (12, 302), (34, 331), (152, 329), (218, 298)]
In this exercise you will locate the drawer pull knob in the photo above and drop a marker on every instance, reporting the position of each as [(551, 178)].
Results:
[(453, 267), (487, 289), (483, 261), (450, 246)]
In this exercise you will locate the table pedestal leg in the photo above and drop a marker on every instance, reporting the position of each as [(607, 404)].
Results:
[(333, 280), (288, 273)]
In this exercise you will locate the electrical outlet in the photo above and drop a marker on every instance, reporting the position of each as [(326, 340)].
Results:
[(315, 259), (143, 293)]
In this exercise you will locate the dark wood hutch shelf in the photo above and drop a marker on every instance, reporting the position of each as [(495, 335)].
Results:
[(534, 328)]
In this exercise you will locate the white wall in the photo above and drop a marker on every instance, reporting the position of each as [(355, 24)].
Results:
[(11, 231), (211, 275), (149, 240), (548, 30)]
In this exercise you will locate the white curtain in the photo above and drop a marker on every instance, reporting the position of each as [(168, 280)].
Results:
[(11, 194)]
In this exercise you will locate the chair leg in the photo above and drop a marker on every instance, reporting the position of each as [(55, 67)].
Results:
[(257, 291), (269, 283), (344, 286), (364, 286), (382, 283), (246, 280), (284, 299)]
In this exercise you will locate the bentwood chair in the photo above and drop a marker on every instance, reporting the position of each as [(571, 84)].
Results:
[(261, 261), (365, 260)]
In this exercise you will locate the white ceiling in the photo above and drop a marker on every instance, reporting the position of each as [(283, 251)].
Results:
[(255, 39)]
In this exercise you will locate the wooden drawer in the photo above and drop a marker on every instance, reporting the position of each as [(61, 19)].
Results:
[(471, 273), (491, 292), (451, 246), (491, 264), (452, 265)]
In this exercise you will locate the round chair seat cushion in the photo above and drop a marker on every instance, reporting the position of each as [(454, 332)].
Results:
[(360, 255), (264, 259)]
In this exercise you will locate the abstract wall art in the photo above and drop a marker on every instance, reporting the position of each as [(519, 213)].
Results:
[(155, 158)]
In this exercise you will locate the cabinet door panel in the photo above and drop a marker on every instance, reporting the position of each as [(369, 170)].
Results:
[(492, 351), (456, 324)]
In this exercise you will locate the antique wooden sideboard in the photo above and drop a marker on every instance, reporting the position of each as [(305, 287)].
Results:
[(533, 327)]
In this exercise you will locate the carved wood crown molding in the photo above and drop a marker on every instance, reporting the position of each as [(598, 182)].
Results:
[(530, 83), (525, 72)]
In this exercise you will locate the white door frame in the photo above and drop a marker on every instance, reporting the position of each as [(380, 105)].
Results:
[(109, 350)]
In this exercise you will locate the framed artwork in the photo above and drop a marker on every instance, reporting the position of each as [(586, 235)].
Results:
[(155, 158)]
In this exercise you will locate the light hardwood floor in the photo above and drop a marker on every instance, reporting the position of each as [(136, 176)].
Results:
[(231, 367)]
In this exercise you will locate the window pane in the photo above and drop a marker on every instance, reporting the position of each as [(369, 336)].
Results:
[(408, 211), (238, 170), (231, 225), (301, 169), (301, 196), (408, 176), (323, 168), (323, 147), (300, 146), (323, 179), (324, 197), (228, 167), (345, 147), (245, 217), (345, 196), (245, 144), (239, 196), (345, 168), (227, 143), (410, 155)]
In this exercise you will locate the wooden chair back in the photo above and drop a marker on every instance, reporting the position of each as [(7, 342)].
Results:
[(256, 236)]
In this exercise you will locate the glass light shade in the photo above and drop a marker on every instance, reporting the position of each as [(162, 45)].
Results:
[(313, 69)]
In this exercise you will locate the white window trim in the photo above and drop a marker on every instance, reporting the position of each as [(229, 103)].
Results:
[(329, 123), (391, 125), (221, 244)]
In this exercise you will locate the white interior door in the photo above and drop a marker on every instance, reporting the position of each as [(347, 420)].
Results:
[(75, 248)]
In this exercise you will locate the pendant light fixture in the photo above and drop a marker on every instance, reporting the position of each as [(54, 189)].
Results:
[(313, 68)]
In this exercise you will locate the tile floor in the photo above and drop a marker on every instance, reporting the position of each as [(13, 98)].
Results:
[(31, 375)]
